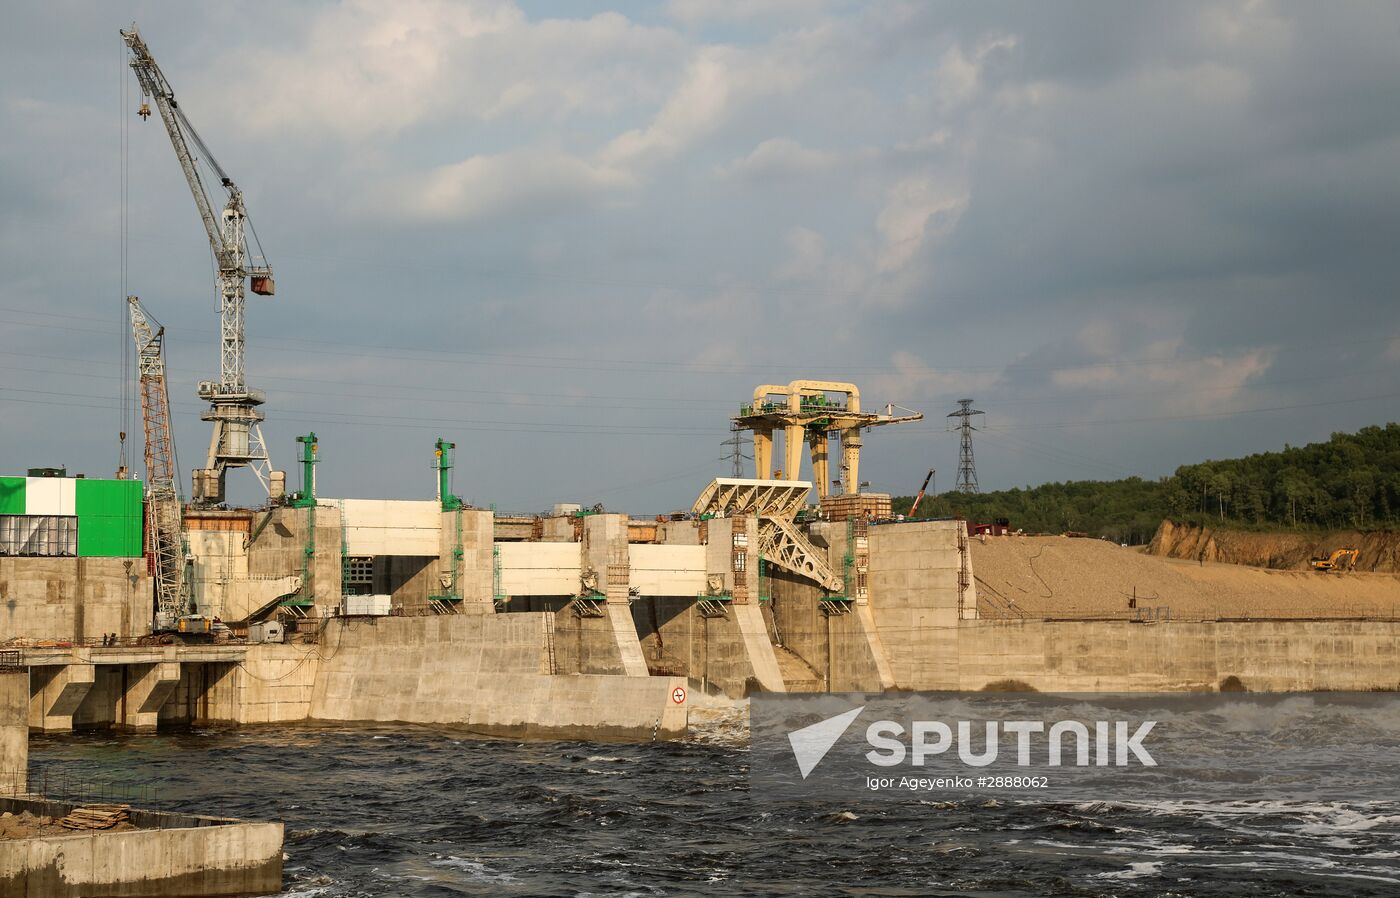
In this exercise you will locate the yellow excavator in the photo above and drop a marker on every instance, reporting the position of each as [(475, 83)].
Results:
[(1340, 560)]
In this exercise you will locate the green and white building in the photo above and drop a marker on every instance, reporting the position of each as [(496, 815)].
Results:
[(58, 516)]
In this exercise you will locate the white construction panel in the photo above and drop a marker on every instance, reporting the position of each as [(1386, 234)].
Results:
[(391, 527), (667, 570), (539, 569), (49, 496)]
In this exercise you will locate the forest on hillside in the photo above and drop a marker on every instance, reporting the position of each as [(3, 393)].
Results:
[(1350, 481)]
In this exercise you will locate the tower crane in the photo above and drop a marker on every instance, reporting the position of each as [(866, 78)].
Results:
[(237, 439), (165, 529)]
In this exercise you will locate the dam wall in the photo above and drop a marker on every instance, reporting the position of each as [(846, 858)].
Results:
[(483, 673), (1123, 656), (486, 673)]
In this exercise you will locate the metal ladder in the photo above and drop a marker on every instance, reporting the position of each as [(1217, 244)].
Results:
[(549, 643)]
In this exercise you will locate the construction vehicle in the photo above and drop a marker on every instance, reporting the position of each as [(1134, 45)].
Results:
[(1340, 560), (919, 498), (237, 439), (165, 525)]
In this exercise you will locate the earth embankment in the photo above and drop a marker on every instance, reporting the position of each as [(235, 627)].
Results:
[(1055, 576), (1379, 549)]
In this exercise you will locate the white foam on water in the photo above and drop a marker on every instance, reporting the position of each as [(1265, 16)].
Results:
[(475, 870), (1136, 870)]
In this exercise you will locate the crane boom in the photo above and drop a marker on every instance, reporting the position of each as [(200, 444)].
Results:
[(237, 435), (165, 540), (919, 498), (154, 85)]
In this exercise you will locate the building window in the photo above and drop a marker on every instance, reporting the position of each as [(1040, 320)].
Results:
[(359, 575), (40, 535)]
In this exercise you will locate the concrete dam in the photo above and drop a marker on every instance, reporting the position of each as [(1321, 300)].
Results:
[(581, 623)]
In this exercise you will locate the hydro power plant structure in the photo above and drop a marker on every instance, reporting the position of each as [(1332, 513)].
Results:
[(132, 608), (122, 606)]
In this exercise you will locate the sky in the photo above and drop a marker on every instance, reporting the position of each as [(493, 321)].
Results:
[(572, 239)]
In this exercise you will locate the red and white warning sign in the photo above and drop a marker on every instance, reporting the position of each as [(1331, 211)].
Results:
[(678, 695)]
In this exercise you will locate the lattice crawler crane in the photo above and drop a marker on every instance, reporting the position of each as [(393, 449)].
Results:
[(165, 528)]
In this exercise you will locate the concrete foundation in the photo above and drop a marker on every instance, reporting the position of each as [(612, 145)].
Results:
[(170, 854)]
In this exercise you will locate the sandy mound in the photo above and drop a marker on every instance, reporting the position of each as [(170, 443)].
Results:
[(1056, 576)]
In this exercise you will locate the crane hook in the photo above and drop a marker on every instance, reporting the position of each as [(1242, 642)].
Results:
[(144, 111)]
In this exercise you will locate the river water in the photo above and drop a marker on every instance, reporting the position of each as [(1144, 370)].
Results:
[(410, 812)]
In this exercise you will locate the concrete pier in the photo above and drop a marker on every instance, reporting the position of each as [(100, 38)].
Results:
[(14, 734), (56, 692)]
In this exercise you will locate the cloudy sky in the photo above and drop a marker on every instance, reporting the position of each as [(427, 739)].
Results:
[(574, 239)]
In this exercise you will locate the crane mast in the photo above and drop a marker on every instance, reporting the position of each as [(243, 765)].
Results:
[(237, 439), (165, 536)]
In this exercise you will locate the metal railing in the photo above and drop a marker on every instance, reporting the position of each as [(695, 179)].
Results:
[(64, 785)]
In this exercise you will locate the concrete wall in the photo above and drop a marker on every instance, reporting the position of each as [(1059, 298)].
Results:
[(391, 527), (668, 570), (539, 569), (481, 672), (1118, 656), (74, 598), (222, 586), (215, 857), (837, 652), (14, 731), (279, 551), (913, 585), (274, 684), (717, 654)]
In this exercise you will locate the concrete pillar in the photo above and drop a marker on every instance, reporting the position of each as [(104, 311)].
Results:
[(55, 692), (792, 450), (476, 570), (850, 460), (763, 453), (833, 535), (819, 444), (731, 557), (758, 647), (14, 730), (604, 551), (967, 583), (731, 563), (148, 687)]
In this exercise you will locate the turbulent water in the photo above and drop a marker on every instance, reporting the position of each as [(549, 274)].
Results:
[(426, 813)]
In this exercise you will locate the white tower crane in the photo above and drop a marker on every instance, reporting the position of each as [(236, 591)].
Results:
[(237, 439)]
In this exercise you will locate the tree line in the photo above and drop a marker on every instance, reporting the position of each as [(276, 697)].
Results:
[(1350, 481)]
